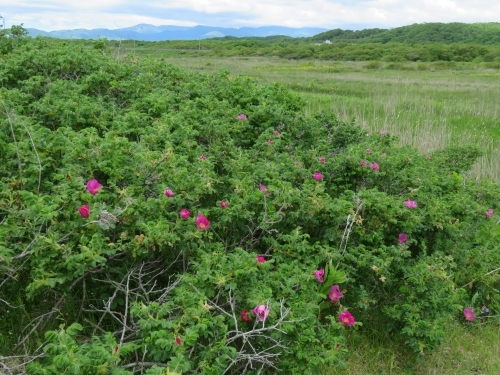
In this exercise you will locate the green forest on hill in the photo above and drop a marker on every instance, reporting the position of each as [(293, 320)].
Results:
[(428, 42), (453, 42), (436, 32)]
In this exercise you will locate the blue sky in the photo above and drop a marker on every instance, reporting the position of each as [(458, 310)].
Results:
[(357, 14)]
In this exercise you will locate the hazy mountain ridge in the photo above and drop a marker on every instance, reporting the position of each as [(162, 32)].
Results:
[(169, 32)]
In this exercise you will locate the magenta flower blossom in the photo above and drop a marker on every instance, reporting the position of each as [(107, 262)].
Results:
[(319, 274), (269, 142), (93, 186), (374, 166), (489, 213), (335, 293), (383, 132), (261, 259), (242, 116), (244, 316), (346, 318), (203, 157), (202, 222), (469, 314), (402, 238), (368, 151), (322, 159), (318, 176), (178, 341), (224, 204), (411, 204), (261, 311), (185, 214), (263, 188), (169, 193), (84, 211), (363, 163)]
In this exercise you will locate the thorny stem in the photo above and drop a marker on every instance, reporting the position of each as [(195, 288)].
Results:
[(473, 281), (7, 114)]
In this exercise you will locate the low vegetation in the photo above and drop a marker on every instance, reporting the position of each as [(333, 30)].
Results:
[(427, 105), (158, 220), (432, 42)]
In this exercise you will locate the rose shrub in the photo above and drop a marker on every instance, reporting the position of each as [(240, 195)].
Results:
[(145, 279)]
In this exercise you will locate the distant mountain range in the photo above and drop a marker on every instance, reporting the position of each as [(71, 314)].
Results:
[(156, 33)]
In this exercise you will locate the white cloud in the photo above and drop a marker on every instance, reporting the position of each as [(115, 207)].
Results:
[(71, 14)]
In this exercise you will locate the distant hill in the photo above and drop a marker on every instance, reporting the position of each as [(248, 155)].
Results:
[(147, 32), (447, 33), (339, 35)]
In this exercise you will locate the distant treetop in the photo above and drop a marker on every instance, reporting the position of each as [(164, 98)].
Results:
[(448, 33)]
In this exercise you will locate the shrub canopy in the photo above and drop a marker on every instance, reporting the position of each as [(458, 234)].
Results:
[(143, 279)]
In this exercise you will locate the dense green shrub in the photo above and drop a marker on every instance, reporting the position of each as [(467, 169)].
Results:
[(216, 204)]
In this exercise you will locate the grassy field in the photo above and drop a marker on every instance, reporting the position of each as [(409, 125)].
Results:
[(427, 105), (468, 350)]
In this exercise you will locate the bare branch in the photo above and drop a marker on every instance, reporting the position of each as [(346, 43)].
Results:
[(248, 356)]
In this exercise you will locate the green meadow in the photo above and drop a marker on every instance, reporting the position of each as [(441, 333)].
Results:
[(426, 104)]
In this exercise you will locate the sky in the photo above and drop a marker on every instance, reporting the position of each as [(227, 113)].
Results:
[(52, 15)]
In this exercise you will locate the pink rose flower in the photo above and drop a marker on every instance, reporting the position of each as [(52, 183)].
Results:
[(469, 314), (322, 159), (402, 238), (93, 186), (263, 188), (363, 163), (368, 151), (261, 311), (335, 293), (346, 318), (169, 193), (318, 176), (374, 166), (84, 211), (178, 341), (489, 213), (411, 204), (276, 133), (261, 259), (319, 274), (269, 142), (203, 157), (202, 222), (242, 116), (223, 204), (244, 316), (185, 214)]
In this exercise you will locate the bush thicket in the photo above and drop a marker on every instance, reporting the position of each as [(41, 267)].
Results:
[(152, 218)]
